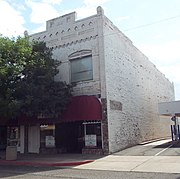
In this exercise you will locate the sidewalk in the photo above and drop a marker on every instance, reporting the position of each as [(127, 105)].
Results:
[(160, 156), (160, 164), (140, 163), (49, 159)]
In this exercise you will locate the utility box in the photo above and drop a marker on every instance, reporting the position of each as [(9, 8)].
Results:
[(11, 153)]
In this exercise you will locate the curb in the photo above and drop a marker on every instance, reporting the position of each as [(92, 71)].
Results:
[(5, 162)]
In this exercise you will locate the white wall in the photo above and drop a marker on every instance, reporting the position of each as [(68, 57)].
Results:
[(65, 36), (121, 73), (169, 108), (135, 83)]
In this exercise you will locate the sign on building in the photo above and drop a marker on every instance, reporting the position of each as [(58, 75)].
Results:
[(90, 141), (50, 141)]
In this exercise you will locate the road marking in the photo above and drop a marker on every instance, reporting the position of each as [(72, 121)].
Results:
[(151, 157), (163, 150)]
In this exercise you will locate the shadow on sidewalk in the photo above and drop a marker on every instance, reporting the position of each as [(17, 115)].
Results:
[(49, 159), (154, 148), (16, 170), (172, 144), (29, 163)]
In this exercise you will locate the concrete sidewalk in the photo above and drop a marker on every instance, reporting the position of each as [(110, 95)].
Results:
[(163, 164), (126, 160), (137, 163), (49, 159)]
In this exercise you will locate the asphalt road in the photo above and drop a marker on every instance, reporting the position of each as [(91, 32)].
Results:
[(12, 172)]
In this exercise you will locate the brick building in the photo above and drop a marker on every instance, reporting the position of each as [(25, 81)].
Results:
[(115, 103)]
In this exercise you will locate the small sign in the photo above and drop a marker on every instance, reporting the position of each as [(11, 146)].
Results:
[(115, 105), (173, 118), (50, 141), (90, 141)]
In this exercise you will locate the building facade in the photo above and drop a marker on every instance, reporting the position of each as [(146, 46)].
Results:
[(117, 90)]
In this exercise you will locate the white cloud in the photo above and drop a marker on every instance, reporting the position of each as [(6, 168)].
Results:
[(44, 10), (41, 28), (172, 73), (41, 11), (52, 1), (166, 57), (85, 11), (119, 19), (82, 11), (94, 2), (162, 54), (89, 8), (18, 6), (12, 22)]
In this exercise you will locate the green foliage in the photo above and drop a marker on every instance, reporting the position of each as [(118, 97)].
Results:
[(27, 83), (13, 54)]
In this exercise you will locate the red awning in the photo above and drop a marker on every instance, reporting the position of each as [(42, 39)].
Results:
[(83, 108)]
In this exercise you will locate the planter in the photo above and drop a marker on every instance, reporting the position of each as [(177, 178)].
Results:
[(11, 153)]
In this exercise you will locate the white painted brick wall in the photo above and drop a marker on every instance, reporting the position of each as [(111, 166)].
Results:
[(66, 36), (120, 73), (135, 82)]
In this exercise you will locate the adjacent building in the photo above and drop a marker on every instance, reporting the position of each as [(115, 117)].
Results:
[(115, 103)]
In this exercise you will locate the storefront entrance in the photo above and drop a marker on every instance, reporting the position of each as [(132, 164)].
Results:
[(33, 139), (69, 137), (79, 130), (3, 137)]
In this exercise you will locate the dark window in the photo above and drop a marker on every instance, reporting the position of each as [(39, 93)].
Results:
[(93, 129), (81, 69)]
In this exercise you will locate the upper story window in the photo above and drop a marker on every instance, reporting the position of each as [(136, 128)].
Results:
[(81, 65), (81, 69)]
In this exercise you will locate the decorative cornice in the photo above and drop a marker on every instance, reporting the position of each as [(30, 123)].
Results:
[(79, 54), (55, 46)]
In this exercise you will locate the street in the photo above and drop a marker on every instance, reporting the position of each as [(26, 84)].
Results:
[(156, 160), (10, 172)]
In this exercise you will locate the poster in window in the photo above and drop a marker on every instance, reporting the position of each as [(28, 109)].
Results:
[(50, 142), (90, 141)]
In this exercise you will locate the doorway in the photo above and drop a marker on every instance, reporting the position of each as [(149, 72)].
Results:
[(69, 137), (3, 137), (33, 139)]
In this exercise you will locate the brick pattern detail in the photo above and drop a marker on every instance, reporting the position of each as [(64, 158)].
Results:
[(92, 151), (48, 151), (105, 127), (139, 86), (130, 85)]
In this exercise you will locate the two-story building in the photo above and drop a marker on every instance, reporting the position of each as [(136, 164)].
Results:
[(115, 103)]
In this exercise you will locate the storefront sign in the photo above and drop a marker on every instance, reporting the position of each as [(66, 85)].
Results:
[(90, 141), (50, 141)]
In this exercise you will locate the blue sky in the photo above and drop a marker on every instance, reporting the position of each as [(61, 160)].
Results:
[(152, 25)]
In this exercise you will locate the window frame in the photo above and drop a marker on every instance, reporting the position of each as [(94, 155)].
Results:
[(79, 58)]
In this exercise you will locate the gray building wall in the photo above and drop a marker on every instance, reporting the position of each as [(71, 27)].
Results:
[(134, 88), (69, 38), (124, 77)]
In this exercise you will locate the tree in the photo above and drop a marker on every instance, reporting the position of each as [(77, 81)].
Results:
[(12, 60), (27, 84)]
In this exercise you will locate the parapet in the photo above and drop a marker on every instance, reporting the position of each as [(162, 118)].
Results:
[(61, 21), (100, 10)]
